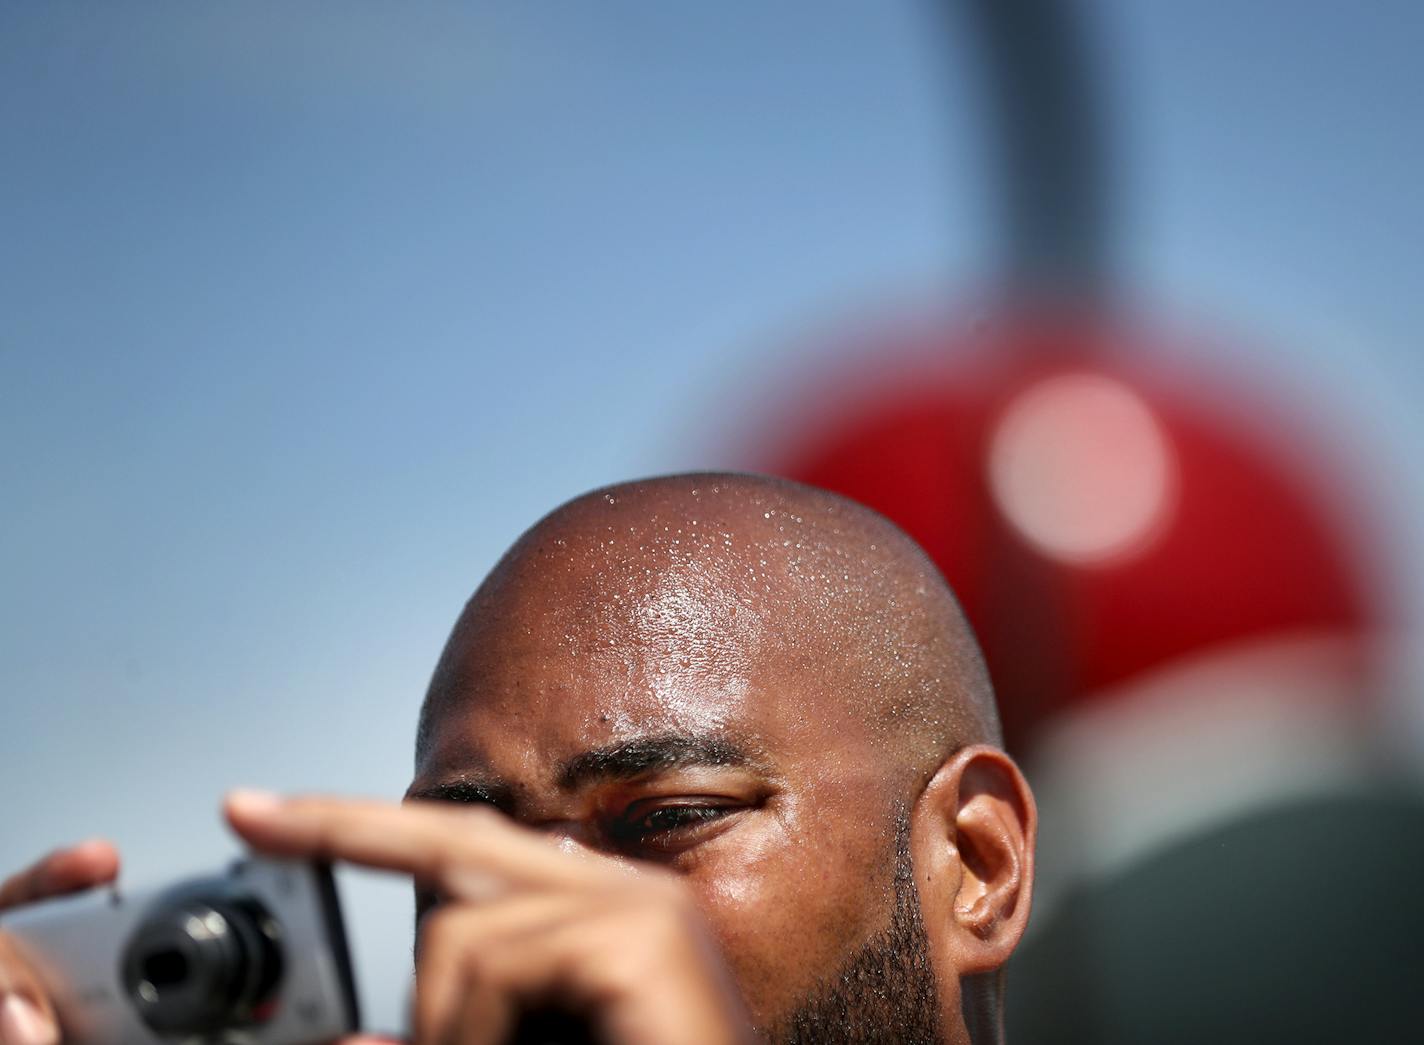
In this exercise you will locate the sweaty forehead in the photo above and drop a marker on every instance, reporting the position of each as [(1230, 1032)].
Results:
[(710, 572), (680, 605), (711, 590)]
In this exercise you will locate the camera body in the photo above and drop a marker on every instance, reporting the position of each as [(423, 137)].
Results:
[(256, 956)]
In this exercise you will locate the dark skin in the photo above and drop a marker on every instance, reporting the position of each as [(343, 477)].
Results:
[(665, 765)]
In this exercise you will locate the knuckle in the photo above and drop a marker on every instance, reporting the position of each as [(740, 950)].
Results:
[(455, 875), (444, 870)]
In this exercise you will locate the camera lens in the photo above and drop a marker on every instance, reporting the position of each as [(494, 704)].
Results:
[(200, 965)]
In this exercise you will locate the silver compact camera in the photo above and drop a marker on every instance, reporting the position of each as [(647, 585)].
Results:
[(256, 956)]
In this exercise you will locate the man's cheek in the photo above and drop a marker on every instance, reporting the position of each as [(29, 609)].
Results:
[(785, 918)]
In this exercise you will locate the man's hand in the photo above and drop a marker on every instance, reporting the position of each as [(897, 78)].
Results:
[(522, 923), (26, 1015)]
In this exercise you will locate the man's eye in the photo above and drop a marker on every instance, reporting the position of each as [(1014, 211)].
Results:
[(670, 818), (670, 828)]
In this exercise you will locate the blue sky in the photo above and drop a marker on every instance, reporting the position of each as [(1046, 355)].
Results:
[(304, 316)]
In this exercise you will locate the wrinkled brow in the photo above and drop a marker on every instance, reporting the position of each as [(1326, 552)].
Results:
[(636, 757)]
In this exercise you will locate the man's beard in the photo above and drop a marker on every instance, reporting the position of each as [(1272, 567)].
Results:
[(887, 992)]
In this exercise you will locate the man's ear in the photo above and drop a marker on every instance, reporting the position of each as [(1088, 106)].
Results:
[(972, 839)]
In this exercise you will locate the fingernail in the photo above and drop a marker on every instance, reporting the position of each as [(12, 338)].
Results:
[(255, 803), (23, 1024), (89, 844)]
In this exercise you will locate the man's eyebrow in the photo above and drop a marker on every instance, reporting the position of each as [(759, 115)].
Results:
[(470, 792), (634, 758)]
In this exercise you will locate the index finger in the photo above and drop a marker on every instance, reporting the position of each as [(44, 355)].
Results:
[(67, 870), (471, 853)]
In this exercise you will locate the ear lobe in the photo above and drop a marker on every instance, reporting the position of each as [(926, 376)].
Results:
[(975, 828)]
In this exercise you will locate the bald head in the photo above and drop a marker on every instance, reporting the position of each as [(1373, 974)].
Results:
[(753, 587), (771, 691)]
